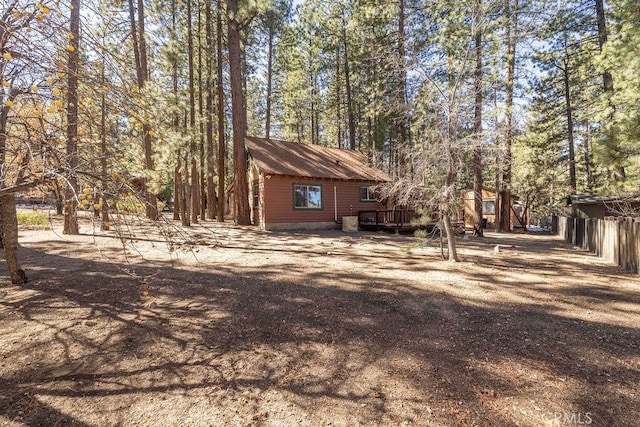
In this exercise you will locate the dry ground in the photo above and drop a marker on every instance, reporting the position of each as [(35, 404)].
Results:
[(233, 326)]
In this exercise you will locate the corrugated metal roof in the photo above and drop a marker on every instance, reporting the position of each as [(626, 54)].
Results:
[(311, 161)]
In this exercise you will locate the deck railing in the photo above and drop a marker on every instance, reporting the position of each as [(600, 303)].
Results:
[(396, 217), (403, 219)]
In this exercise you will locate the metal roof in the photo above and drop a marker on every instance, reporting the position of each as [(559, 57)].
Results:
[(592, 199), (311, 161)]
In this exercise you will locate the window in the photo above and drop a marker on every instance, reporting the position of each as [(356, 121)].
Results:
[(367, 193), (489, 208), (307, 196), (256, 196)]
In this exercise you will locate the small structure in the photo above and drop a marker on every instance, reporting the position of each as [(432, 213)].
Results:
[(489, 209), (301, 186), (599, 207)]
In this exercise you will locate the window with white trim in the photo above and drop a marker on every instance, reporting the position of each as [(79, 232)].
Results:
[(367, 193), (307, 196)]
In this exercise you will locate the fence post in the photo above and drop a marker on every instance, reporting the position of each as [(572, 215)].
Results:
[(615, 239), (607, 248), (563, 228), (636, 241), (631, 246), (618, 244), (598, 237)]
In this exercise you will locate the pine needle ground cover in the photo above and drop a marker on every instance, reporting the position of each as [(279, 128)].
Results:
[(233, 326)]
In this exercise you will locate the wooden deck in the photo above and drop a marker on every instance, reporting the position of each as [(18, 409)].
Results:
[(401, 220), (389, 220)]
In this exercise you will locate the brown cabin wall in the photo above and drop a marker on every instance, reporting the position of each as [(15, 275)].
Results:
[(277, 200)]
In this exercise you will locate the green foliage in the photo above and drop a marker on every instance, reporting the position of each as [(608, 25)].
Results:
[(32, 219), (605, 123), (420, 77), (128, 204), (132, 204), (622, 117), (539, 173)]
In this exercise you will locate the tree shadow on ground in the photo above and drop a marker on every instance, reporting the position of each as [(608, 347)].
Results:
[(259, 345)]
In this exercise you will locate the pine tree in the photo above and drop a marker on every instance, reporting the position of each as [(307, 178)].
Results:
[(142, 74), (566, 87), (477, 123), (222, 144), (238, 107), (71, 193)]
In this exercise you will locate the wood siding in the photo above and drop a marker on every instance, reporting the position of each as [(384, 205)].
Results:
[(616, 239), (589, 210), (487, 196), (278, 200)]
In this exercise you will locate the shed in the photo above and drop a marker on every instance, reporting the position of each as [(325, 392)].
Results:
[(489, 208), (592, 206), (301, 186)]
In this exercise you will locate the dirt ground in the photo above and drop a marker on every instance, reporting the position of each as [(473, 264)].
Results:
[(233, 326)]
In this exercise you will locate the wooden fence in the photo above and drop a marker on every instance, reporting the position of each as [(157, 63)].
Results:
[(617, 240)]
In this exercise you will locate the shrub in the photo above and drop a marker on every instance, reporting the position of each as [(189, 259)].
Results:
[(35, 218)]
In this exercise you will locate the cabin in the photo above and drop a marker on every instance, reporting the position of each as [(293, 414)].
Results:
[(489, 209), (301, 186)]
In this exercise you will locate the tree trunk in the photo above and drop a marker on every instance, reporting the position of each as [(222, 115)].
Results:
[(186, 195), (241, 190), (347, 80), (195, 196), (202, 189), (177, 189), (10, 238), (313, 114), (151, 201), (607, 79), (505, 209), (177, 176), (222, 145), (446, 209), (150, 197), (8, 217), (587, 157), (511, 32), (496, 203), (211, 192), (569, 112), (70, 212), (267, 130), (477, 151), (104, 153), (340, 139), (192, 187), (1, 230), (402, 89), (174, 66), (451, 236), (142, 72), (59, 198)]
